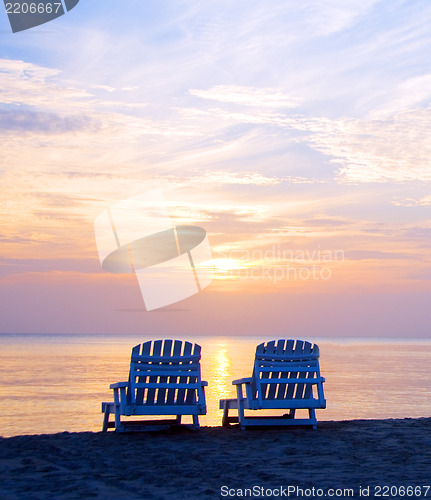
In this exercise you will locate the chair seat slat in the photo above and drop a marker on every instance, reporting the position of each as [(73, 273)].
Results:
[(166, 385), (145, 374), (298, 404), (289, 357), (166, 359), (293, 380), (287, 367), (165, 366), (165, 373)]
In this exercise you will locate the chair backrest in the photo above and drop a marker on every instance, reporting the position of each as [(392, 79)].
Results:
[(165, 372), (282, 368)]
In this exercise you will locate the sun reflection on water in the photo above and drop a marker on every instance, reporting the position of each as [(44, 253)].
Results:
[(221, 372)]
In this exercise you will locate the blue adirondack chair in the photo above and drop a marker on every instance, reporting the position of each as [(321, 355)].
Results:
[(286, 375), (164, 379)]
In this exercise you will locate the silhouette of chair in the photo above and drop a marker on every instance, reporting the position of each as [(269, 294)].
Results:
[(164, 379), (286, 375)]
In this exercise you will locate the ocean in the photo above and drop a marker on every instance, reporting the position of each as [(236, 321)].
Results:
[(54, 383)]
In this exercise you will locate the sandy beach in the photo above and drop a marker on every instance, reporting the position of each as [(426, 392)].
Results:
[(217, 462)]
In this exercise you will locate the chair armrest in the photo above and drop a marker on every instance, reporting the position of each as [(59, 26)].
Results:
[(239, 381), (119, 385), (204, 383)]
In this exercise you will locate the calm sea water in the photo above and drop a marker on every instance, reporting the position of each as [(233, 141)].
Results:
[(55, 383)]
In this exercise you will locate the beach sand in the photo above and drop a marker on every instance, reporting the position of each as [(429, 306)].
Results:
[(185, 464)]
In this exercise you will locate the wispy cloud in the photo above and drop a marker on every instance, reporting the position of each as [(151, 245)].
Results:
[(28, 84), (392, 149), (224, 177), (379, 255), (397, 149), (248, 96), (411, 202), (332, 17), (19, 120)]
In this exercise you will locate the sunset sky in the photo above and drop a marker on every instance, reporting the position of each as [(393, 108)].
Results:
[(297, 134)]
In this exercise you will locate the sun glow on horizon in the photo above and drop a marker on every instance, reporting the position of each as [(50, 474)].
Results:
[(225, 268), (226, 264)]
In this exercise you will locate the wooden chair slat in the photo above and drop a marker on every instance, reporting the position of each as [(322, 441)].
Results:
[(286, 367), (169, 366), (288, 380), (166, 359), (288, 358), (132, 395), (269, 350), (190, 393), (161, 392), (300, 388), (272, 389), (168, 385), (161, 372), (280, 389), (308, 389), (296, 351), (181, 393), (156, 351), (180, 366), (291, 357)]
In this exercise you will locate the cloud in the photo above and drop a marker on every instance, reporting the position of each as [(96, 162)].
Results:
[(332, 16), (411, 202), (380, 255), (223, 212), (327, 222), (21, 265), (29, 84), (18, 120), (397, 149), (248, 96), (224, 177), (418, 233), (409, 94), (391, 149)]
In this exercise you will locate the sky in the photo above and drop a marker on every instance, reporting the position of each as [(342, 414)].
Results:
[(297, 134)]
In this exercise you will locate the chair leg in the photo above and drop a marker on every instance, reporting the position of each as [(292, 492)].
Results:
[(241, 416), (178, 419), (312, 415), (196, 421), (105, 419), (225, 421), (118, 425)]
